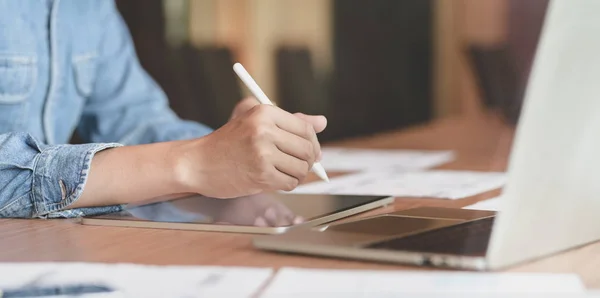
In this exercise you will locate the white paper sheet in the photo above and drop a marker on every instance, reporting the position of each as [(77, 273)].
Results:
[(488, 205), (353, 159), (296, 282), (140, 281), (437, 184)]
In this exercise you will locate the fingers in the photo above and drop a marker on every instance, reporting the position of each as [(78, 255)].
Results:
[(279, 215), (283, 180), (246, 104), (291, 123), (283, 146), (291, 165), (295, 146), (318, 122), (273, 175), (298, 220), (260, 222), (276, 218), (294, 125), (273, 220)]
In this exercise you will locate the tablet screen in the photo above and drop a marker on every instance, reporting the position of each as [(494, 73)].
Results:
[(264, 210)]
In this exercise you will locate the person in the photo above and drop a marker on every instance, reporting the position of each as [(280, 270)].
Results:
[(70, 65)]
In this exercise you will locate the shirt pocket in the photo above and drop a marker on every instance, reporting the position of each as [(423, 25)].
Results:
[(17, 78), (84, 71), (18, 75)]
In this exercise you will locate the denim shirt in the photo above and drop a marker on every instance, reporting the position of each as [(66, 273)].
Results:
[(69, 65)]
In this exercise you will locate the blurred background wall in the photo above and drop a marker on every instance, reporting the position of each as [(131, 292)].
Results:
[(370, 66)]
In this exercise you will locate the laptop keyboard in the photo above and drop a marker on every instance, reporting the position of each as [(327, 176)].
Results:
[(469, 239)]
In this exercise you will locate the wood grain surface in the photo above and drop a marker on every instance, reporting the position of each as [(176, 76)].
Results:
[(480, 144)]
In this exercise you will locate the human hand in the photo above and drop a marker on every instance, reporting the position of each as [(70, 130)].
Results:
[(248, 103), (243, 106), (258, 210), (263, 149)]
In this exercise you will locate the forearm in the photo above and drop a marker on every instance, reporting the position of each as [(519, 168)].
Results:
[(133, 174), (42, 181)]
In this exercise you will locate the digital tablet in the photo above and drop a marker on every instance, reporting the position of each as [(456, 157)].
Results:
[(270, 213)]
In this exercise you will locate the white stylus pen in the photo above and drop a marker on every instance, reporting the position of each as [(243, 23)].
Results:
[(263, 99)]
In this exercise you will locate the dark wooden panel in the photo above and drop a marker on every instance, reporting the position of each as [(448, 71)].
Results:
[(199, 82), (526, 19), (146, 23), (383, 65), (299, 89), (145, 20), (525, 23), (498, 79), (502, 71), (212, 82)]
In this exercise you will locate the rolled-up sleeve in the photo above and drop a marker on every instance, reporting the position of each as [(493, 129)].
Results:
[(42, 181)]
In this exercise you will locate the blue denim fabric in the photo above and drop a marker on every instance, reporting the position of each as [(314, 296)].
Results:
[(69, 65)]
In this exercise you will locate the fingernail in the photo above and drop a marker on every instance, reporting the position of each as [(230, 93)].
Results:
[(298, 220)]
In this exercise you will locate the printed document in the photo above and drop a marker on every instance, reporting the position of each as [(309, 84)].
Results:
[(353, 160), (139, 280), (296, 282), (488, 205), (435, 184)]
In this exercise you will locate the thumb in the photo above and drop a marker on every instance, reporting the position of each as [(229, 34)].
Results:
[(318, 122)]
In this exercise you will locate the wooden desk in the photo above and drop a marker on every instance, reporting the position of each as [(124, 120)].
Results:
[(482, 144)]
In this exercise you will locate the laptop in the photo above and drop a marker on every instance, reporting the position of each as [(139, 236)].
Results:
[(551, 202)]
